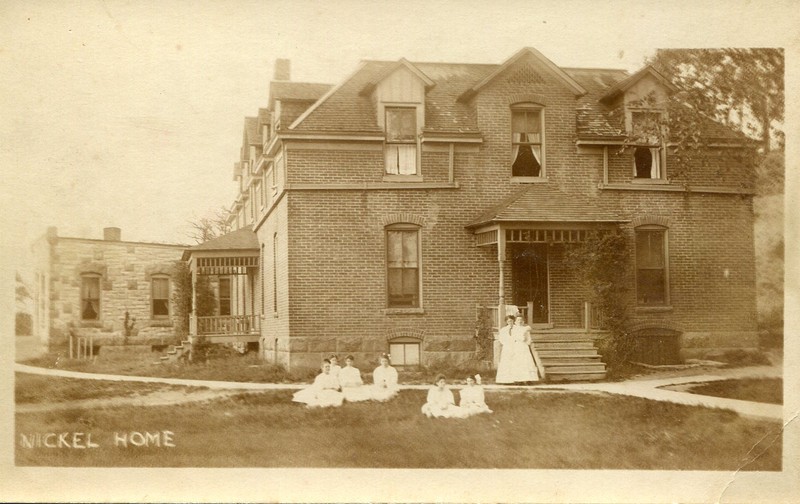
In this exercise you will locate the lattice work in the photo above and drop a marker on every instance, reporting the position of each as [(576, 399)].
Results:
[(486, 238), (545, 235), (226, 265)]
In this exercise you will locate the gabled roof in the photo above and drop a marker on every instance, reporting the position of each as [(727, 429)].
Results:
[(296, 91), (251, 131), (626, 84), (576, 88), (545, 203), (401, 63), (243, 239)]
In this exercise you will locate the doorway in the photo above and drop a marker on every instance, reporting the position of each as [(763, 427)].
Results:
[(529, 278)]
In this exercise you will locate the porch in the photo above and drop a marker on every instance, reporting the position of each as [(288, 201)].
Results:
[(227, 269)]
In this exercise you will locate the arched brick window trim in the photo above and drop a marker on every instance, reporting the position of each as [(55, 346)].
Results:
[(415, 334), (650, 220), (403, 218), (527, 98), (663, 325), (92, 268)]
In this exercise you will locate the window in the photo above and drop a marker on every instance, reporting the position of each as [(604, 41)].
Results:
[(90, 298), (401, 141), (526, 141), (651, 266), (225, 296), (160, 297), (402, 264), (275, 273), (404, 353), (648, 151)]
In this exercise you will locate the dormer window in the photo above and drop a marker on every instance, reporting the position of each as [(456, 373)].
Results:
[(401, 141), (648, 145), (527, 141)]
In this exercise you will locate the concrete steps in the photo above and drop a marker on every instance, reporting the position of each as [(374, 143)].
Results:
[(176, 353), (569, 357)]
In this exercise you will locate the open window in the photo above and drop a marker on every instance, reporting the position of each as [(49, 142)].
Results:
[(90, 297), (401, 141), (648, 145), (527, 141)]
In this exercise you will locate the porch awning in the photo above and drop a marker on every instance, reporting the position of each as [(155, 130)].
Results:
[(543, 213), (229, 254), (545, 203)]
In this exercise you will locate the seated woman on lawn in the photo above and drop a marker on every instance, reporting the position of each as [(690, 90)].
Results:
[(335, 367), (441, 403), (384, 380), (472, 400), (352, 386), (323, 392)]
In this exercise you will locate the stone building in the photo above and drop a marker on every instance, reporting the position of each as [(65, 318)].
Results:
[(385, 210), (85, 287)]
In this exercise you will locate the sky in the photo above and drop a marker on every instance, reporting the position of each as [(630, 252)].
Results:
[(130, 113)]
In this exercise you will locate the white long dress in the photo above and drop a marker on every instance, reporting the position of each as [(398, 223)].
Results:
[(516, 362), (472, 400), (322, 393), (353, 386), (441, 404), (384, 383)]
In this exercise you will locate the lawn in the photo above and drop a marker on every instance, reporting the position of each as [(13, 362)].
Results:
[(766, 390), (37, 389), (554, 430)]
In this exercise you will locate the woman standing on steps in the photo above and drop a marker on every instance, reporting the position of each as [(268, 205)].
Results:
[(516, 362)]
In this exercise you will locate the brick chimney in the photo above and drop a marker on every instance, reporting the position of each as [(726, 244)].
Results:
[(282, 70), (112, 234)]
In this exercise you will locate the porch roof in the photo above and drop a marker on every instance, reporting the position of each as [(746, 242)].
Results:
[(546, 203), (241, 240)]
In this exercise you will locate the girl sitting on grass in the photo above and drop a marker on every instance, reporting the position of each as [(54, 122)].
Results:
[(352, 386), (323, 392), (471, 397), (335, 367), (441, 403), (384, 380)]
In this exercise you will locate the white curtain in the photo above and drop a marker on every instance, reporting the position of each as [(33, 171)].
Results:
[(401, 159), (655, 167)]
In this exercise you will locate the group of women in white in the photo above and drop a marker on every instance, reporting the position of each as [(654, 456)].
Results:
[(516, 361), (442, 404), (336, 384)]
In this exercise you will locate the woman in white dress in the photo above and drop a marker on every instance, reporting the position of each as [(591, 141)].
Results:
[(384, 380), (471, 397), (352, 386), (516, 362), (335, 367), (323, 392), (440, 402)]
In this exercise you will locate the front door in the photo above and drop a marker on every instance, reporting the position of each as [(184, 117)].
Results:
[(529, 280)]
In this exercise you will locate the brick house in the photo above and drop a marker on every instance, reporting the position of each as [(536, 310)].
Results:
[(384, 210), (84, 287)]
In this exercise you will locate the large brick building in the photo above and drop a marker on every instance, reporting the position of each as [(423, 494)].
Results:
[(383, 210)]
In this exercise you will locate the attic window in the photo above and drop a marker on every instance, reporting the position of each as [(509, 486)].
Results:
[(527, 142), (401, 141), (647, 138)]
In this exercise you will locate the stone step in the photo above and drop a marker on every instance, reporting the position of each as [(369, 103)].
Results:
[(580, 376), (567, 345), (579, 367), (570, 361), (557, 353)]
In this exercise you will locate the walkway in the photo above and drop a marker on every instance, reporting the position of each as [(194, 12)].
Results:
[(644, 387)]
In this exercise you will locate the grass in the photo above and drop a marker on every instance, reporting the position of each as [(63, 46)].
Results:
[(766, 390), (527, 430), (36, 389)]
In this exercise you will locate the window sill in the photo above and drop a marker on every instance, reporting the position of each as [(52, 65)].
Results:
[(402, 178), (403, 311), (649, 181), (654, 309), (528, 180)]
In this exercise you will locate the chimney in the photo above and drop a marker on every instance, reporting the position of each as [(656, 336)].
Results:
[(282, 70), (112, 234)]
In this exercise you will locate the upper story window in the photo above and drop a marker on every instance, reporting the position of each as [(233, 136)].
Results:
[(90, 297), (160, 297), (648, 145), (401, 141), (527, 141), (651, 266)]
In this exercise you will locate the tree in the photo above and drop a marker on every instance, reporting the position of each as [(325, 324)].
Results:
[(208, 228), (741, 88)]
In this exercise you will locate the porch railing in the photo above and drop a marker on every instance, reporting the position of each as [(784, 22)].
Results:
[(228, 324)]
